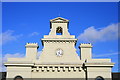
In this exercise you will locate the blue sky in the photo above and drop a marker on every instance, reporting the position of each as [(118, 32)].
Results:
[(29, 22)]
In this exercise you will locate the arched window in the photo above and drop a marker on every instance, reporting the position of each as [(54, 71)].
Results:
[(99, 78), (18, 78), (58, 31)]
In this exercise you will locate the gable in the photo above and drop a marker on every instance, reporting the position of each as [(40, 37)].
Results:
[(59, 19)]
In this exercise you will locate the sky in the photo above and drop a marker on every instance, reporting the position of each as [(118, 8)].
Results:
[(90, 22)]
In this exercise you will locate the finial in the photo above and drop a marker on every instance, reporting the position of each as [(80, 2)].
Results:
[(59, 13)]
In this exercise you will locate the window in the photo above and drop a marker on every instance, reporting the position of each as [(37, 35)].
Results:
[(18, 78), (58, 31), (99, 78)]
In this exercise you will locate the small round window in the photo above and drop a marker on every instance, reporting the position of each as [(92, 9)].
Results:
[(99, 78), (18, 78)]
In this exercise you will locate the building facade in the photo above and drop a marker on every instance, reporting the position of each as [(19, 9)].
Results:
[(59, 58)]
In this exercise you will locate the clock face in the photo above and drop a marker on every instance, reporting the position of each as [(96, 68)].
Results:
[(59, 52)]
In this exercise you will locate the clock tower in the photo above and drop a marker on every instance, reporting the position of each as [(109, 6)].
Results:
[(59, 45), (58, 58)]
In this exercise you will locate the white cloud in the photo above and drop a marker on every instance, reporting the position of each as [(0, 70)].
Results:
[(105, 55), (34, 34), (38, 54), (8, 36), (5, 57), (104, 34), (16, 55)]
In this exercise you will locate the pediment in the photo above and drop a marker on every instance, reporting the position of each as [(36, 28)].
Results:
[(59, 19)]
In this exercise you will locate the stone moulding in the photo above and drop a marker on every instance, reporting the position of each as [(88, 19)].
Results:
[(59, 41), (63, 68), (99, 64), (59, 20), (18, 64)]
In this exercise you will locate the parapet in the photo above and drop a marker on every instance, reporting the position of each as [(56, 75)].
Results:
[(33, 45), (85, 45)]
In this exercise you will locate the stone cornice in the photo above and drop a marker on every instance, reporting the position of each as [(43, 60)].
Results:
[(18, 64), (59, 22), (59, 40), (99, 64), (37, 63), (85, 45), (31, 45)]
